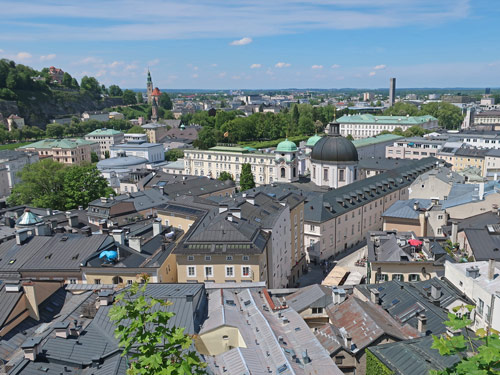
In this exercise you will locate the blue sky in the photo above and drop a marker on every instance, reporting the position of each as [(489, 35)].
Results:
[(221, 44)]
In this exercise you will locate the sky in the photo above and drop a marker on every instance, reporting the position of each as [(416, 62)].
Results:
[(259, 44)]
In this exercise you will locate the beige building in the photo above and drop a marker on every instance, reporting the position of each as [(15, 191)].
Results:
[(466, 157), (413, 148), (65, 151), (105, 138), (492, 164), (156, 132)]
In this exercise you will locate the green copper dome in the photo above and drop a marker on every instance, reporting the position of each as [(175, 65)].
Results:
[(286, 146), (313, 140)]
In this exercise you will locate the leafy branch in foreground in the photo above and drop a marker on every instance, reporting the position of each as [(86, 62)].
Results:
[(152, 345), (478, 355)]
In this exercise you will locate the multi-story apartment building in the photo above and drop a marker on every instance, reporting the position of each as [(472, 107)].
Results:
[(492, 164), (491, 118), (152, 152), (282, 166), (413, 148), (367, 125), (468, 157), (480, 282), (66, 151), (105, 138)]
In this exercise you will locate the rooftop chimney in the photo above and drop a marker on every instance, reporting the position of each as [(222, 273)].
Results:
[(348, 341), (422, 323), (416, 205), (157, 227), (339, 295), (62, 329), (135, 243), (72, 220), (454, 231), (106, 297), (119, 236), (491, 269), (472, 271), (21, 236), (42, 229), (31, 348), (436, 294), (374, 296)]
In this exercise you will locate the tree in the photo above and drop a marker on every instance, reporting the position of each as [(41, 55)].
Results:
[(74, 83), (350, 137), (42, 185), (206, 139), (149, 340), (54, 130), (448, 115), (246, 178), (129, 97), (165, 101), (478, 355), (93, 157), (83, 184), (106, 154), (140, 98), (66, 80), (173, 155), (136, 129), (90, 86), (115, 90), (225, 176), (402, 109)]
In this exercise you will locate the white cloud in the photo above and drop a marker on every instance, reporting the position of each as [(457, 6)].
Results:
[(115, 64), (241, 42), (317, 67), (195, 68), (379, 67), (48, 57), (282, 65), (335, 66), (372, 74), (222, 74), (195, 75), (91, 60), (153, 62), (213, 65), (23, 56), (255, 66), (1, 51), (236, 77)]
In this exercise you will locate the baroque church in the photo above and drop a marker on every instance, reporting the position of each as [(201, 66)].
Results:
[(153, 97)]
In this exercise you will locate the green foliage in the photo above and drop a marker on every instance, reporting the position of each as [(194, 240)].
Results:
[(55, 130), (206, 138), (246, 177), (83, 184), (350, 137), (448, 115), (136, 129), (106, 154), (93, 157), (173, 155), (52, 184), (42, 185), (140, 98), (225, 176), (115, 90), (153, 346), (478, 355), (374, 366), (401, 109), (165, 101), (129, 97), (90, 86)]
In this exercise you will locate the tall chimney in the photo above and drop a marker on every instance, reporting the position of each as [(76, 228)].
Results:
[(491, 269), (157, 227), (422, 323), (374, 296), (454, 231), (119, 236), (135, 243)]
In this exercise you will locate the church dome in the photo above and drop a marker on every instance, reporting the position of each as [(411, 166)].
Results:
[(334, 148), (313, 140), (286, 146)]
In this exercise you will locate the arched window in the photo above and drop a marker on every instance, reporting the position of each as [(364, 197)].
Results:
[(283, 172), (117, 280), (294, 172)]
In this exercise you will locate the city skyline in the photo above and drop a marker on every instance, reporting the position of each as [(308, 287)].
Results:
[(293, 44)]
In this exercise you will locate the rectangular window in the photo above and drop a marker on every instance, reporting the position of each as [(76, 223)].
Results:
[(440, 217), (191, 271), (208, 257), (311, 228), (72, 281), (414, 277), (209, 271), (325, 174), (480, 306), (246, 257), (245, 271), (317, 310), (129, 282), (341, 175), (190, 257), (229, 271), (97, 281), (229, 257)]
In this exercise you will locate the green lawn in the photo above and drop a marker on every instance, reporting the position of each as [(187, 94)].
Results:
[(12, 146)]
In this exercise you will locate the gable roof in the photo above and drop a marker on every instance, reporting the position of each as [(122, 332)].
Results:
[(310, 296)]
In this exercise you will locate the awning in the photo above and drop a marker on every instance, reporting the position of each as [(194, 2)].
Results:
[(415, 242)]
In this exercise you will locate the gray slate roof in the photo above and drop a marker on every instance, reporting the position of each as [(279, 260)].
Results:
[(310, 296), (484, 245), (405, 209)]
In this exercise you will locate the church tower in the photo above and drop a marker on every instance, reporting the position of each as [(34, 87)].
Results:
[(149, 88)]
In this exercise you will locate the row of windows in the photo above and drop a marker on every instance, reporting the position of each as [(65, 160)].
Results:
[(208, 258), (413, 277), (208, 271)]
